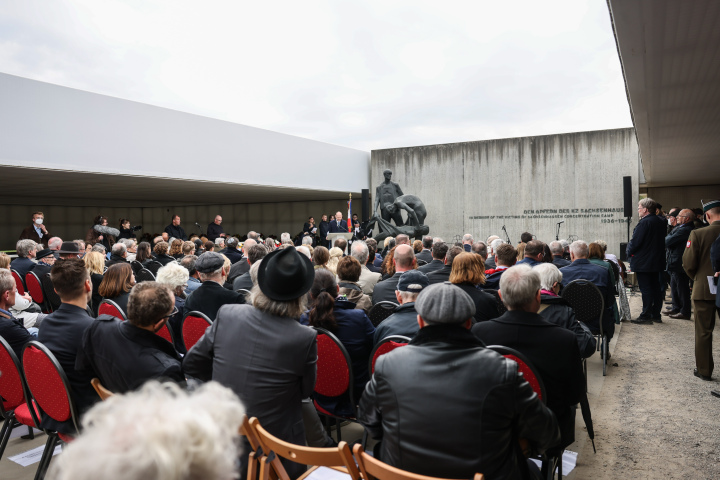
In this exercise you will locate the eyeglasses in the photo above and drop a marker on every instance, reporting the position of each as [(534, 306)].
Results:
[(172, 314)]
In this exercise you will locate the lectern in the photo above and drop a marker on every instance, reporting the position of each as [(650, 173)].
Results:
[(334, 236)]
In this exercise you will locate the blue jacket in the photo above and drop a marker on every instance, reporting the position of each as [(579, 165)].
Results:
[(334, 228), (22, 265), (646, 249), (530, 261), (583, 269), (675, 244)]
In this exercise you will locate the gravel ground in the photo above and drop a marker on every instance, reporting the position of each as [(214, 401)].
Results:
[(653, 418)]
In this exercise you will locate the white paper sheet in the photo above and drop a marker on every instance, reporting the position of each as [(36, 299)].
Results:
[(711, 284), (32, 456), (325, 473), (569, 460)]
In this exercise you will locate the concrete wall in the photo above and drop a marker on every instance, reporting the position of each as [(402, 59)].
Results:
[(684, 197), (526, 184), (71, 222)]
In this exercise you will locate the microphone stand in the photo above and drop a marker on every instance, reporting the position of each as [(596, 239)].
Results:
[(506, 234), (557, 234), (199, 229)]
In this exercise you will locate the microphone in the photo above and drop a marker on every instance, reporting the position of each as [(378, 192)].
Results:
[(197, 224), (557, 234), (561, 222)]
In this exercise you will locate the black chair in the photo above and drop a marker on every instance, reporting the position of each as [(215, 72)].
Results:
[(154, 266), (136, 266), (144, 275), (420, 263), (588, 302), (245, 293), (616, 272), (380, 311), (51, 295)]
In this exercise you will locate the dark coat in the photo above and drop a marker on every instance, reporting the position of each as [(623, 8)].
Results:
[(485, 304), (239, 268), (448, 407), (492, 281), (122, 301), (675, 246), (384, 291), (528, 261), (560, 262), (243, 281), (425, 255), (371, 266), (432, 266), (214, 231), (268, 361), (335, 228), (646, 249), (95, 279), (165, 259), (233, 254), (715, 261), (600, 276), (440, 275), (556, 310), (490, 262), (40, 269), (116, 259), (62, 333), (553, 350), (176, 232), (30, 233), (209, 297), (402, 322), (14, 332), (124, 356), (22, 265), (323, 230)]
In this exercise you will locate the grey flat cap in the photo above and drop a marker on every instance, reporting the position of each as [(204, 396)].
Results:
[(444, 303), (209, 262)]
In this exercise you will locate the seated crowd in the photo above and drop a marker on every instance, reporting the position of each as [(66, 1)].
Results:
[(445, 405)]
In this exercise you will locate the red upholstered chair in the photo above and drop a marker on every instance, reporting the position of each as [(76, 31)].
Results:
[(386, 345), (165, 333), (37, 292), (50, 390), (108, 307), (13, 397), (193, 327), (18, 281)]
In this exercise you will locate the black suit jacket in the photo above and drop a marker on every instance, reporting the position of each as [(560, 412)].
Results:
[(425, 255), (176, 232), (343, 227), (14, 333), (233, 254), (243, 281), (432, 266), (385, 290), (62, 332), (239, 268), (209, 297), (22, 265), (440, 275)]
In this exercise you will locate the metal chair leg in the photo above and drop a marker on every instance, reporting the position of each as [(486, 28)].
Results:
[(46, 456), (5, 432), (605, 355)]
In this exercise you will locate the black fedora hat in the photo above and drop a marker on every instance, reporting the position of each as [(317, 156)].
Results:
[(285, 275), (69, 247)]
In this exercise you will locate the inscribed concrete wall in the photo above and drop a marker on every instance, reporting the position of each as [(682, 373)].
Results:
[(71, 222), (525, 184)]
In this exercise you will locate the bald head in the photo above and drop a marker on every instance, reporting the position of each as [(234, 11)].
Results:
[(402, 239), (246, 246), (686, 215), (404, 258)]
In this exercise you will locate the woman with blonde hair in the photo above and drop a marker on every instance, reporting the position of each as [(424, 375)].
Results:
[(468, 273), (95, 265), (335, 256)]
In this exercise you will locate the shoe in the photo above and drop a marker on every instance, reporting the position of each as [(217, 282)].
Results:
[(680, 316), (701, 376), (642, 321), (657, 320), (670, 312)]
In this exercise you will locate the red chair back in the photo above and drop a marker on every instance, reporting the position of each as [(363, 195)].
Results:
[(11, 387), (108, 307), (34, 288), (386, 345), (48, 383), (525, 367), (164, 332), (18, 282), (193, 327), (334, 376)]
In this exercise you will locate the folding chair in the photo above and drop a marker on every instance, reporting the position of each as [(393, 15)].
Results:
[(108, 307), (386, 345), (193, 327), (51, 296), (166, 333), (18, 281), (102, 392), (373, 469), (13, 397), (37, 292), (380, 311), (50, 390), (588, 302), (154, 266), (338, 458), (144, 275), (245, 293), (253, 456)]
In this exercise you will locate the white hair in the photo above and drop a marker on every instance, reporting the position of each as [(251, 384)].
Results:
[(467, 238), (579, 249), (285, 237), (556, 248), (173, 275), (305, 251), (254, 271), (24, 247), (159, 432), (359, 250), (307, 240), (119, 249), (495, 244), (220, 241), (55, 243), (549, 274), (518, 286)]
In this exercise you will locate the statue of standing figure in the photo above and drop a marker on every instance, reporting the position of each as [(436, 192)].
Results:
[(390, 200), (385, 195)]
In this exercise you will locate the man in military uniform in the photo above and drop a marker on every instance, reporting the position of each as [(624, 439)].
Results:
[(385, 195), (696, 262)]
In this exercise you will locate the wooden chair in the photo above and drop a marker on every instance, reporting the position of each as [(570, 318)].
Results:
[(102, 392), (338, 458), (373, 469)]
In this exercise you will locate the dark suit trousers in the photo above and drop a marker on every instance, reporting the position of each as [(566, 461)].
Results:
[(704, 325), (680, 290), (652, 296)]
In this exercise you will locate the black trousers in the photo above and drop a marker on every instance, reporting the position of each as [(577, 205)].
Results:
[(680, 289), (652, 296)]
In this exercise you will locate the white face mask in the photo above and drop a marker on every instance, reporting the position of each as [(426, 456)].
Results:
[(669, 221), (38, 221)]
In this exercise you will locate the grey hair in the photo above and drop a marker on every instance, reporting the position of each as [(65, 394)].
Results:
[(24, 247), (291, 308), (284, 237), (359, 250), (188, 262), (565, 244), (519, 286), (171, 434), (408, 297), (467, 238), (579, 248), (556, 248), (307, 240), (173, 275), (119, 248), (98, 247), (128, 242), (438, 240), (305, 251), (648, 203), (602, 243), (219, 241), (80, 244), (549, 274), (254, 272), (496, 243), (7, 282), (54, 242)]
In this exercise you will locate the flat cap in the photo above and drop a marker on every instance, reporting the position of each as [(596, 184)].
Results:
[(412, 281), (209, 262), (444, 303), (710, 204)]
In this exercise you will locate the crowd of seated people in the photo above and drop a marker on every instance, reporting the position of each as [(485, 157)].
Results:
[(262, 348)]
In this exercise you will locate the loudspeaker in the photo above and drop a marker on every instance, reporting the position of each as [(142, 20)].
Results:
[(627, 196), (623, 249), (365, 204)]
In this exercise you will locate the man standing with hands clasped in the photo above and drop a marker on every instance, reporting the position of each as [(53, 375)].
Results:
[(37, 231)]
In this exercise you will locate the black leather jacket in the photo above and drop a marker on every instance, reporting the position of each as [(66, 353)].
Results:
[(446, 406), (675, 244)]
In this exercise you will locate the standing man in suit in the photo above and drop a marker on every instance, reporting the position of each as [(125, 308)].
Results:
[(338, 225), (175, 230), (696, 262), (215, 229), (323, 230), (646, 252), (679, 281), (36, 231), (262, 352)]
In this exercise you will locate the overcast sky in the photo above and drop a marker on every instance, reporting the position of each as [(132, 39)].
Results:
[(365, 74)]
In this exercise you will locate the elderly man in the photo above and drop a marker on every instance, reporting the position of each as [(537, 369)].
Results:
[(175, 230), (582, 269), (189, 261), (646, 252), (492, 245), (243, 266), (232, 252), (54, 244), (404, 260), (37, 230), (533, 253), (404, 320), (697, 264), (467, 241), (367, 281), (215, 229), (556, 248), (124, 355), (12, 330), (480, 248), (426, 254), (26, 251), (446, 406), (45, 261), (131, 246), (211, 295), (262, 352), (679, 281), (338, 225), (552, 349), (443, 274), (255, 254), (118, 254)]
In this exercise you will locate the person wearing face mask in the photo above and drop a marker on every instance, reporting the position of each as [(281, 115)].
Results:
[(37, 231)]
